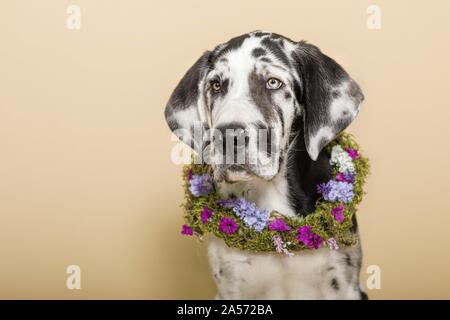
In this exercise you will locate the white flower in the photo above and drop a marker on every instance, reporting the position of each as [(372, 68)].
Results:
[(340, 157)]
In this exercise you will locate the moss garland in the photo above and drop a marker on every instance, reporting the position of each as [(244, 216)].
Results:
[(321, 221)]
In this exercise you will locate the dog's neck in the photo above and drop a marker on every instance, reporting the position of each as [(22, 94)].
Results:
[(293, 191)]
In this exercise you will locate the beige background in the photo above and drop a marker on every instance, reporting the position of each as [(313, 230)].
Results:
[(85, 170)]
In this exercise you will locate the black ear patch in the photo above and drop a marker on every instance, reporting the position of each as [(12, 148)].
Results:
[(330, 98)]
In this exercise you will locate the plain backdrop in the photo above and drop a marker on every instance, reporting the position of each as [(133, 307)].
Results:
[(85, 170)]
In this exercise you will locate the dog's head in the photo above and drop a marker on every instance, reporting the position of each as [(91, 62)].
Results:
[(243, 97)]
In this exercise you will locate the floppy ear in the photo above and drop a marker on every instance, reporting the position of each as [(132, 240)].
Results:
[(330, 98), (186, 110)]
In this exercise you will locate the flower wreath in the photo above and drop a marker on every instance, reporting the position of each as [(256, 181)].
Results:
[(241, 224)]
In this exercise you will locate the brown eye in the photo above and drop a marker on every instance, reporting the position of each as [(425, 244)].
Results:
[(216, 86), (273, 84)]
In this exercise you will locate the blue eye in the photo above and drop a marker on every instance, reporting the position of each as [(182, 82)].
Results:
[(273, 84)]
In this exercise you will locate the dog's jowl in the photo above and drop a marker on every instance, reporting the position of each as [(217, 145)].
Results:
[(260, 109)]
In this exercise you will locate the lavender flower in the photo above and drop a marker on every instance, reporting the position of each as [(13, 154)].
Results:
[(190, 174), (310, 240), (205, 214), (201, 185), (332, 244), (336, 191), (278, 225), (186, 230), (338, 213), (251, 214), (228, 225), (280, 246), (346, 177)]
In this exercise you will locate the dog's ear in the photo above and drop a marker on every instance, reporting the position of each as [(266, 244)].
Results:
[(330, 98), (186, 110)]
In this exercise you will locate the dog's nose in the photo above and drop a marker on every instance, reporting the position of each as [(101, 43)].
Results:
[(232, 138)]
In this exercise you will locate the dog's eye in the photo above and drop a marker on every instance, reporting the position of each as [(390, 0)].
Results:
[(273, 84), (216, 86)]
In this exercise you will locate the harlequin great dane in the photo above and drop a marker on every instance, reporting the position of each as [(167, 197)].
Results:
[(264, 80)]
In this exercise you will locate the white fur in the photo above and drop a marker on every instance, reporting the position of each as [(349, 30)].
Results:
[(242, 275)]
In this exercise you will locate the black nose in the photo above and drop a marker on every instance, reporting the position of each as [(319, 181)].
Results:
[(232, 139)]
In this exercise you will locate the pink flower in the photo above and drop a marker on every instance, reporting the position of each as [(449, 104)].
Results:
[(280, 246), (206, 214), (353, 153), (186, 230), (228, 225), (332, 244), (278, 225), (338, 213)]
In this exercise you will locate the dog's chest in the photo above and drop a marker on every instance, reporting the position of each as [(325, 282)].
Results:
[(307, 275)]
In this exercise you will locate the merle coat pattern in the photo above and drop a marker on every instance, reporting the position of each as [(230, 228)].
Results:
[(264, 80)]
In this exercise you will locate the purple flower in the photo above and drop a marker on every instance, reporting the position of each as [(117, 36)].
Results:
[(227, 203), (345, 177), (353, 153), (278, 225), (338, 213), (201, 185), (251, 214), (205, 214), (228, 225), (323, 188), (189, 175), (336, 191), (310, 240), (186, 230)]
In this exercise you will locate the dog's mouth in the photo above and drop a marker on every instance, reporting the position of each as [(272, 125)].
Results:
[(232, 173), (237, 173)]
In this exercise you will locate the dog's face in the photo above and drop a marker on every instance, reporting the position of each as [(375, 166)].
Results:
[(236, 104)]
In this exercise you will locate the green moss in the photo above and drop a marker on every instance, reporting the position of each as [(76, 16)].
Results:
[(321, 220)]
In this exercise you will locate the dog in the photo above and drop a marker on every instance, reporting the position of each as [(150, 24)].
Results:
[(267, 81)]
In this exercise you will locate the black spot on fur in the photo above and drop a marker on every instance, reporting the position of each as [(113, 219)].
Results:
[(334, 284), (287, 95), (265, 59), (348, 260), (233, 44), (224, 87), (258, 52), (261, 96), (275, 48), (260, 34)]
